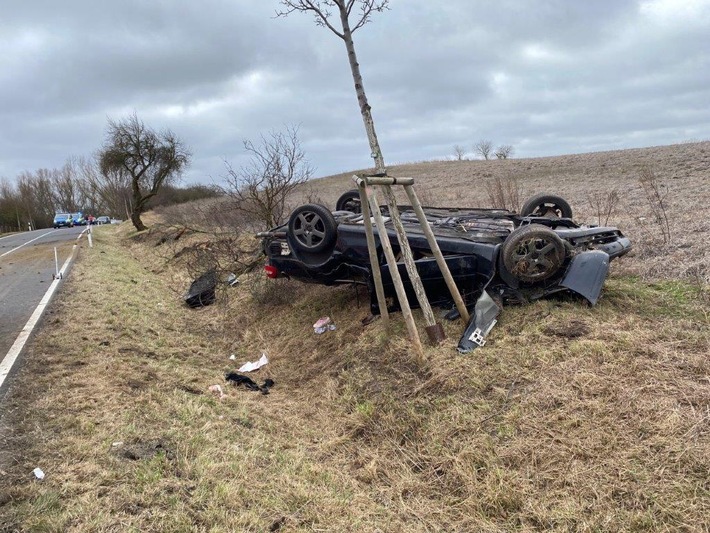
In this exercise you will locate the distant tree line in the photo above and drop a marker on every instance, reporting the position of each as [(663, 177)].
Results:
[(485, 149), (109, 183)]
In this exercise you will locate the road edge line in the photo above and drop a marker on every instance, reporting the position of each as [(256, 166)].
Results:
[(15, 350), (28, 242)]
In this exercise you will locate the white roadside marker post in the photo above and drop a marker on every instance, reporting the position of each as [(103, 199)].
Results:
[(57, 273)]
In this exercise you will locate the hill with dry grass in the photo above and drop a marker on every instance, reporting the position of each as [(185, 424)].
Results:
[(681, 172), (571, 418)]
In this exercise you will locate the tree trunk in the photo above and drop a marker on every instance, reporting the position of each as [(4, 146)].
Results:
[(365, 109), (137, 222), (137, 207)]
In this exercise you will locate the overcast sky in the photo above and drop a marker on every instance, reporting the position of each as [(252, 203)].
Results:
[(546, 76)]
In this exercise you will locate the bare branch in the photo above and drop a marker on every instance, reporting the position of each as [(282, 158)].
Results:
[(320, 9), (277, 166)]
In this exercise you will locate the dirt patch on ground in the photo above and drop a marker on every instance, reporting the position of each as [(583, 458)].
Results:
[(568, 330)]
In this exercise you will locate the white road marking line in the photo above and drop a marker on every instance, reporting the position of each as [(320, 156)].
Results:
[(16, 348), (11, 235), (28, 242)]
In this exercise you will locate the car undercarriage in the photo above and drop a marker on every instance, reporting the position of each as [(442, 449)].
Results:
[(495, 256)]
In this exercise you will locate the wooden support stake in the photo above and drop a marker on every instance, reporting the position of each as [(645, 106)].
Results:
[(396, 278), (381, 180), (414, 277), (372, 250), (453, 289)]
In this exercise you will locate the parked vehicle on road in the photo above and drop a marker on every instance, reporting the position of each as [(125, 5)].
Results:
[(103, 220), (62, 220), (493, 254), (78, 219)]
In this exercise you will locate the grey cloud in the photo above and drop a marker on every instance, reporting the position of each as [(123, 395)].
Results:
[(548, 76)]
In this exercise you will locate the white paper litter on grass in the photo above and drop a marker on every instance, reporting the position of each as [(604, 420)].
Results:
[(38, 473), (255, 365)]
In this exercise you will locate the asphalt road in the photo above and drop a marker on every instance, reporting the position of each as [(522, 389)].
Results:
[(26, 269)]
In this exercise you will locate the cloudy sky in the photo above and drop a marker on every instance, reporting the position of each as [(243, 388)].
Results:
[(546, 76)]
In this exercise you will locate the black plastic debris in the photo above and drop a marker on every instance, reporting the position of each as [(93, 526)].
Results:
[(201, 292), (250, 384)]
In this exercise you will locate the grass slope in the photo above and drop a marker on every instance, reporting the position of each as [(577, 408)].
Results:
[(570, 419)]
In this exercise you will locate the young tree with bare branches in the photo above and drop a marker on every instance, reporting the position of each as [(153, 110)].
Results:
[(483, 148), (504, 151), (459, 152), (323, 14), (146, 157), (277, 166)]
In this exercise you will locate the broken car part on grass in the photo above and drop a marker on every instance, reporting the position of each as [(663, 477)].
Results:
[(250, 384), (495, 256), (202, 290)]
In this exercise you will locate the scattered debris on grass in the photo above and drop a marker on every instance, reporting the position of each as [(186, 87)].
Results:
[(238, 379), (217, 390), (322, 325), (202, 290), (254, 365)]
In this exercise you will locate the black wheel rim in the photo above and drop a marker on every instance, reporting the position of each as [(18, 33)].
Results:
[(309, 229), (536, 258)]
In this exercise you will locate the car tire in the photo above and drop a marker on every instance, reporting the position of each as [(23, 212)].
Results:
[(349, 201), (312, 228), (533, 253), (546, 206)]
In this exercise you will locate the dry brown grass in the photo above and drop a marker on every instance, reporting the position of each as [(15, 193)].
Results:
[(570, 419)]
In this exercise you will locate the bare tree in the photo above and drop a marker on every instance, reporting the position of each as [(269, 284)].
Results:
[(36, 197), (504, 151), (459, 152), (603, 203), (483, 148), (146, 157), (321, 10), (10, 207), (111, 189), (68, 190), (656, 193), (278, 165), (504, 192)]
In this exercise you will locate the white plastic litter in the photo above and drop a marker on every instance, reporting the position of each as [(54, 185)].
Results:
[(38, 473), (232, 357), (322, 325), (217, 389), (254, 365)]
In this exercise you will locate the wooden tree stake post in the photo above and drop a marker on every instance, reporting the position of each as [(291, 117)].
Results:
[(434, 331), (431, 239), (372, 250), (394, 271)]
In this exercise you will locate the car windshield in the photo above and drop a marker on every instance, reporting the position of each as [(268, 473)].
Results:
[(61, 215)]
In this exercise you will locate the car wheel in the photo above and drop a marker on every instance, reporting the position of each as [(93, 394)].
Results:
[(533, 253), (547, 206), (349, 201), (312, 228)]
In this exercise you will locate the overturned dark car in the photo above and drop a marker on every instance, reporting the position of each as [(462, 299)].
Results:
[(495, 256)]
